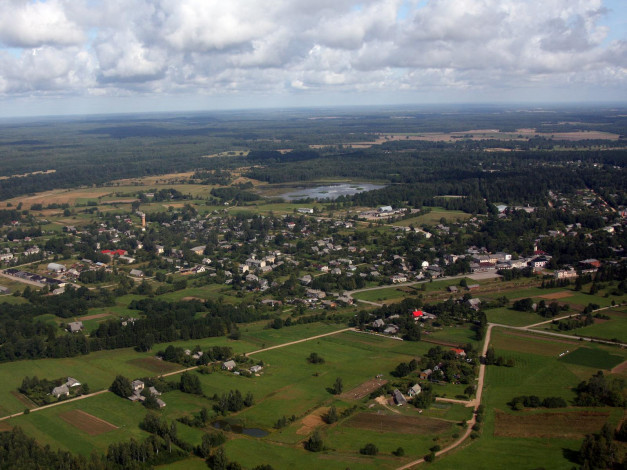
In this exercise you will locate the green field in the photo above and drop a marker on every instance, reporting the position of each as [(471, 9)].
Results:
[(385, 293), (508, 316), (596, 358), (433, 217)]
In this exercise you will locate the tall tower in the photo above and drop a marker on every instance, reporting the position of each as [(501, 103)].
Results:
[(143, 220)]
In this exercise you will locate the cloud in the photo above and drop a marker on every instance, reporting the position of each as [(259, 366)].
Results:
[(121, 47), (34, 24)]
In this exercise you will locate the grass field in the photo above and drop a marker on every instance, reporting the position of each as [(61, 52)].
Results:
[(433, 217), (596, 358), (507, 316), (385, 293), (615, 328)]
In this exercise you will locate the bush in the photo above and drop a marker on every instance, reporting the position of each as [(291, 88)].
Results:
[(369, 449), (399, 452), (430, 457)]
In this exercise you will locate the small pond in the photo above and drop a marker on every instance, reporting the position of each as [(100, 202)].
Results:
[(239, 429)]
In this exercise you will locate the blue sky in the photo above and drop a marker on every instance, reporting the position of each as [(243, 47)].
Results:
[(95, 56)]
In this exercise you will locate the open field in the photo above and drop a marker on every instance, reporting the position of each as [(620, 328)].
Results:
[(86, 422), (433, 217), (569, 425), (508, 316)]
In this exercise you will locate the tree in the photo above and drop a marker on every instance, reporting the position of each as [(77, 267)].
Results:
[(315, 442), (331, 417), (121, 386), (338, 386), (218, 460), (190, 383), (315, 358)]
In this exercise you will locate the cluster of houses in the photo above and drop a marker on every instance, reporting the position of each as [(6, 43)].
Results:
[(138, 386), (231, 366), (64, 389)]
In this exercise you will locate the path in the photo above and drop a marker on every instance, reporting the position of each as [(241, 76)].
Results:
[(299, 341), (39, 408), (474, 403)]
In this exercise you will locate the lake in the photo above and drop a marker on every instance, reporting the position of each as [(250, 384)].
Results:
[(332, 191)]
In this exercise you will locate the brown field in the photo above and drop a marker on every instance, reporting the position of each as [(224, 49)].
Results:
[(620, 368), (363, 390), (94, 317), (481, 134), (398, 423), (154, 365), (312, 421), (23, 399), (4, 426), (86, 422), (549, 425), (557, 295), (47, 172)]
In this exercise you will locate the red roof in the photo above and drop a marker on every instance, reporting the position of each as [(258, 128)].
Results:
[(113, 252), (458, 351), (417, 313)]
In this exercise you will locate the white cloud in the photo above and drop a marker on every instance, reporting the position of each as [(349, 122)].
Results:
[(121, 47)]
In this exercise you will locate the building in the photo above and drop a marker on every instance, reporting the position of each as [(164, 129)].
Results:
[(415, 390), (399, 399), (55, 268), (61, 390), (229, 365), (75, 326), (137, 273)]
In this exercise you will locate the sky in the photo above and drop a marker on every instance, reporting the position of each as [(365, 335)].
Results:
[(61, 57)]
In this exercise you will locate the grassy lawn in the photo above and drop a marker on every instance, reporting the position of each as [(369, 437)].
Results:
[(379, 295), (595, 358), (460, 334), (507, 316), (433, 217)]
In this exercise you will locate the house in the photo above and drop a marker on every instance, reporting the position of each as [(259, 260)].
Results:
[(378, 323), (161, 403), (475, 303), (305, 210), (385, 209), (229, 365), (75, 326), (199, 250), (425, 374), (137, 385), (160, 249), (415, 390), (137, 273), (452, 289), (397, 278), (72, 382), (399, 399), (391, 330), (255, 369), (61, 390), (126, 259), (154, 392), (459, 352)]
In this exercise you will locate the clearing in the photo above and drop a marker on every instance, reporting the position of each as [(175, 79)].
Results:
[(312, 421), (153, 364), (557, 295), (86, 422)]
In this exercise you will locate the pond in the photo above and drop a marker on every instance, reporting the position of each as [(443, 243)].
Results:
[(332, 191), (239, 429)]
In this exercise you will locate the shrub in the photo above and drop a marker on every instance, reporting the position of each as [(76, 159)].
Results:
[(369, 449)]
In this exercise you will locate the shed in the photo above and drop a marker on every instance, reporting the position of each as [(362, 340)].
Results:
[(229, 365)]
